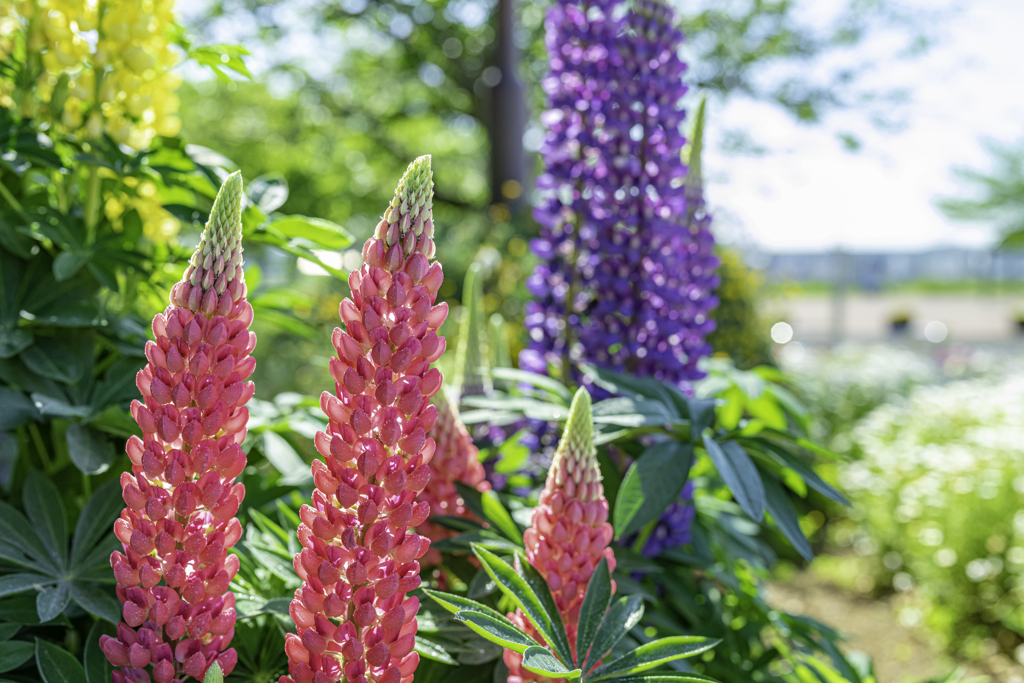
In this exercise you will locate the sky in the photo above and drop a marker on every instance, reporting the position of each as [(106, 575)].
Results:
[(807, 193)]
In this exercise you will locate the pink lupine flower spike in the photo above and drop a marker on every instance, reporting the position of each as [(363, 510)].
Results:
[(174, 571), (569, 532), (359, 554)]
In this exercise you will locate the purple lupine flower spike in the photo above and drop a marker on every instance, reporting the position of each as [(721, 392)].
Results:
[(626, 276)]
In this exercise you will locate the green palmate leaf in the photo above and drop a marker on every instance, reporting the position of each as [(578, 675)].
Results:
[(740, 474), (57, 665), (496, 630), (96, 600), (456, 603), (14, 653), (431, 650), (97, 668), (540, 660), (90, 451), (96, 520), (593, 609), (52, 600), (16, 583), (785, 517), (18, 543), (545, 620), (496, 514), (654, 654), (45, 509), (624, 614), (323, 233), (653, 482)]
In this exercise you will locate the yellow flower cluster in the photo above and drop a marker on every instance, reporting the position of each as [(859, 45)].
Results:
[(105, 67)]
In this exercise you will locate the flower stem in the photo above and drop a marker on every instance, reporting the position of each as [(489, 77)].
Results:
[(37, 439)]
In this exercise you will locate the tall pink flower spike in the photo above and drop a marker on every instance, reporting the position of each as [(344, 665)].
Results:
[(569, 532), (454, 460), (174, 571), (358, 560)]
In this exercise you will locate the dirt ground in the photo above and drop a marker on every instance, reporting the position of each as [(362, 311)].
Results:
[(900, 654)]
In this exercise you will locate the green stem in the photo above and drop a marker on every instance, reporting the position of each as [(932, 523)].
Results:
[(37, 439), (641, 539)]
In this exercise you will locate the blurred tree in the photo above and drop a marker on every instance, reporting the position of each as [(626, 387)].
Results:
[(998, 197), (347, 92), (446, 58)]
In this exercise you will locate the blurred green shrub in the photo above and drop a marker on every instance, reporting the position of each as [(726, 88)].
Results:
[(741, 333), (844, 384), (937, 497)]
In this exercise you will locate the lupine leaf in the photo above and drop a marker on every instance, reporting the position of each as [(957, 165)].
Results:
[(806, 473), (593, 609), (639, 387), (90, 451), (624, 614), (541, 589), (96, 519), (540, 381), (45, 510), (57, 665), (97, 668), (429, 649), (496, 513), (14, 653), (52, 600), (702, 416), (655, 653), (785, 517), (664, 678), (16, 583), (540, 660), (496, 631), (96, 600), (456, 603), (740, 474), (516, 587), (323, 233), (651, 484)]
